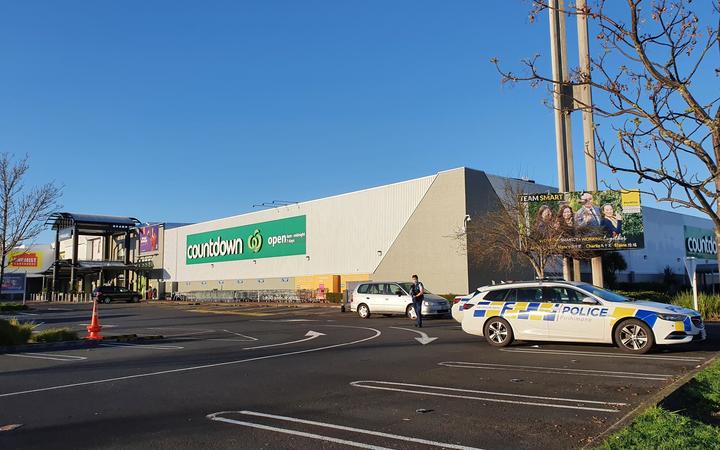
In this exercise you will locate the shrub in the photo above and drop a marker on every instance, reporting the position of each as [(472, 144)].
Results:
[(655, 296), (709, 305), (12, 307), (12, 332), (449, 297), (56, 335), (334, 297)]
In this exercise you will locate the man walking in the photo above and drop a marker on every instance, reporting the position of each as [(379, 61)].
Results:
[(417, 291)]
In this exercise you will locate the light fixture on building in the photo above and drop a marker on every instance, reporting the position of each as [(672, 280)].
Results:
[(379, 252), (466, 219), (307, 257), (254, 261), (644, 256)]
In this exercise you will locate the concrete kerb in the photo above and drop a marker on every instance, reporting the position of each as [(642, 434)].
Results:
[(74, 345), (654, 400)]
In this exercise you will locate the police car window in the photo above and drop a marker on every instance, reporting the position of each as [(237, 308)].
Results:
[(560, 295), (363, 288), (496, 295), (529, 295)]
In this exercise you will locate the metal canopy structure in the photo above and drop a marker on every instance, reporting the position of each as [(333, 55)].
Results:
[(91, 224), (72, 225)]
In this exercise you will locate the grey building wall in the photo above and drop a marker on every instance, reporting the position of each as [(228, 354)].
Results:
[(483, 193), (427, 244)]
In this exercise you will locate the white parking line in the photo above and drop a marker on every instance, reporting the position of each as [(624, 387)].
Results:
[(309, 336), (50, 356), (377, 333), (247, 338), (527, 399), (152, 347), (558, 370), (604, 354), (217, 417)]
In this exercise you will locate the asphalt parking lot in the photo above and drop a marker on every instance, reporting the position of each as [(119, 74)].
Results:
[(268, 377)]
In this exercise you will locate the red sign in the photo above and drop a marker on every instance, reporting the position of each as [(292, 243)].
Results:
[(25, 260)]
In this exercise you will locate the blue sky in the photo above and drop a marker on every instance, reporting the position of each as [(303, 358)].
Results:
[(183, 111)]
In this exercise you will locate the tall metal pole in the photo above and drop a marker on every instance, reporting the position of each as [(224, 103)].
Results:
[(585, 95), (563, 130)]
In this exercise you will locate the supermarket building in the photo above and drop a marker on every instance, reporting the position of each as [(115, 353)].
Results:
[(382, 233)]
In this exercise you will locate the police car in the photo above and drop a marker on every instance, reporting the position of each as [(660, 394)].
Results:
[(574, 312)]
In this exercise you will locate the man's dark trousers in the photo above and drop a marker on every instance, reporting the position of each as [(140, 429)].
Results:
[(417, 304)]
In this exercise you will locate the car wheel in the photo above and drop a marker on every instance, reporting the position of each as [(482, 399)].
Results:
[(498, 332), (136, 299), (410, 312), (363, 311), (106, 300), (634, 336)]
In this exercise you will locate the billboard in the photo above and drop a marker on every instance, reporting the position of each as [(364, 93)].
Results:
[(13, 283), (282, 237), (599, 220), (24, 260), (700, 243), (149, 238)]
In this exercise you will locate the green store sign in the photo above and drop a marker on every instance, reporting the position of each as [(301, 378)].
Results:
[(700, 243), (282, 237)]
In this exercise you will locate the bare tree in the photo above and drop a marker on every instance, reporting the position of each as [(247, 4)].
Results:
[(23, 210), (509, 237), (655, 81)]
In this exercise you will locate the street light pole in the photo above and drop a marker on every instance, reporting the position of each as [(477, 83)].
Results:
[(562, 107), (585, 97)]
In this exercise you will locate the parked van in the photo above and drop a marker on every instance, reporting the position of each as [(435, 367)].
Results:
[(393, 297)]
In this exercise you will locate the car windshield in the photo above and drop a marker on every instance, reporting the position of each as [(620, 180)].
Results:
[(603, 294), (408, 286)]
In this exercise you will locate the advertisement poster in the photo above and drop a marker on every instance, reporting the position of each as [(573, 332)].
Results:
[(149, 238), (282, 237), (13, 283), (25, 260), (600, 220)]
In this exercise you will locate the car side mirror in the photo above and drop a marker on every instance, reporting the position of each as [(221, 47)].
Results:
[(398, 293), (589, 301)]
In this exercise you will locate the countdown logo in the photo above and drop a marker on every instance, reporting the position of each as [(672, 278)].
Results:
[(705, 245)]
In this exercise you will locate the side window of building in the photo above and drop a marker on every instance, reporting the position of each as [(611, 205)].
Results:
[(496, 295), (363, 289)]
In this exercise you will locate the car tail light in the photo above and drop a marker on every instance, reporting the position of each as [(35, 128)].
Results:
[(457, 300), (468, 305)]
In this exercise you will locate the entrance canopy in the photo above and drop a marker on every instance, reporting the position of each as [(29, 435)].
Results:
[(91, 224)]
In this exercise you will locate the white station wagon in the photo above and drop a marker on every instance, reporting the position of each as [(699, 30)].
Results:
[(574, 312)]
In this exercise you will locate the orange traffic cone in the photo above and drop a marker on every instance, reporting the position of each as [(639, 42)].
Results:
[(94, 327)]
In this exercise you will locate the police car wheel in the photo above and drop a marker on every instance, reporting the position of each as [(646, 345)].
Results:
[(634, 336), (410, 312), (498, 332), (363, 311)]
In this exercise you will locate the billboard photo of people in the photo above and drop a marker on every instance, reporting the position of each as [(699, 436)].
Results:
[(600, 220), (149, 238)]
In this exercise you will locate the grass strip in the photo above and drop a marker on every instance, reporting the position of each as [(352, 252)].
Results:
[(688, 419)]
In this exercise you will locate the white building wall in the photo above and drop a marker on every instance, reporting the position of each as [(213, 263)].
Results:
[(664, 244), (344, 235)]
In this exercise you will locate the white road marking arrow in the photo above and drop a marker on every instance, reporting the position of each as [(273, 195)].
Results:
[(310, 335), (424, 339)]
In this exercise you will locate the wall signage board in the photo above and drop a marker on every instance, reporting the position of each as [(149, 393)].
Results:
[(282, 237), (700, 243)]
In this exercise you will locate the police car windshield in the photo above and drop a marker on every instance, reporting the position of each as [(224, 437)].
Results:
[(603, 294)]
